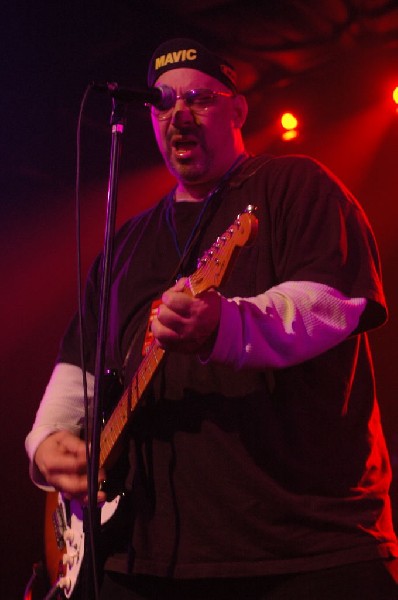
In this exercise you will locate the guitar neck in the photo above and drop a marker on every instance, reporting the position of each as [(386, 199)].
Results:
[(212, 268), (127, 404)]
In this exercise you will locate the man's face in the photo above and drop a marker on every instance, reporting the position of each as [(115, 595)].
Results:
[(197, 148)]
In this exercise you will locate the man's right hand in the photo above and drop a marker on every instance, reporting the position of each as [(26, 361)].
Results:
[(61, 458)]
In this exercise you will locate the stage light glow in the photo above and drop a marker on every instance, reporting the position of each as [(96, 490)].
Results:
[(289, 121), (291, 134), (290, 126), (395, 95)]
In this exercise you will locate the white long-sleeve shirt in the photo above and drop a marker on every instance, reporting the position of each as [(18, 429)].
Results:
[(290, 323)]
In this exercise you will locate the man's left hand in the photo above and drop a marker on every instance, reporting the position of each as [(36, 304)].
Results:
[(186, 323)]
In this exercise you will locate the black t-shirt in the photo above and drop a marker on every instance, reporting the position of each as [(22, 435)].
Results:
[(242, 473)]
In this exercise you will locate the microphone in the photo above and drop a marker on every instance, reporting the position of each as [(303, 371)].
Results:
[(162, 97)]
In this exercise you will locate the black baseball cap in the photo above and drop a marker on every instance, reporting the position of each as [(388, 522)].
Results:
[(187, 53)]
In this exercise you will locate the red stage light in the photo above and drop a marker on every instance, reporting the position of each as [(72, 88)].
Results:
[(289, 121), (290, 134)]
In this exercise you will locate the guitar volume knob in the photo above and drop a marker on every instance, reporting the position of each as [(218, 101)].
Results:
[(69, 559), (69, 535), (64, 583)]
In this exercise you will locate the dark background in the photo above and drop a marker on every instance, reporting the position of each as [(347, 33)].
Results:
[(334, 63)]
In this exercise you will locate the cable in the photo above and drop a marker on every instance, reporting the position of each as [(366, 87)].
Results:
[(88, 512)]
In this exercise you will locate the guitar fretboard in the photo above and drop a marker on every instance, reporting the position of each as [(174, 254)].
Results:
[(129, 400)]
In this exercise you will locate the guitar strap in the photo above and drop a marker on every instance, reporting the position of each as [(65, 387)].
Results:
[(210, 207), (177, 273)]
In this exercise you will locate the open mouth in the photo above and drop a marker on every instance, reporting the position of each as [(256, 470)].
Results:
[(184, 147)]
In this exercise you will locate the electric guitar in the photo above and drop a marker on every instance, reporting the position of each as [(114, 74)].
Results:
[(64, 536)]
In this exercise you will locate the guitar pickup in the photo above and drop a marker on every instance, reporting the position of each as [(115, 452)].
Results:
[(58, 519)]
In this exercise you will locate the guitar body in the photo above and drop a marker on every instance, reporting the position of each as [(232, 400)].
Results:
[(52, 549), (64, 532), (64, 538)]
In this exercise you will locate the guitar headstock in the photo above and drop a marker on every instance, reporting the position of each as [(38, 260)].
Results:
[(213, 264)]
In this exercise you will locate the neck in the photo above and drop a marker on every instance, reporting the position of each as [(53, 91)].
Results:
[(197, 192), (192, 193)]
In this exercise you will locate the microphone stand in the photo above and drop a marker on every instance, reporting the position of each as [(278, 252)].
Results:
[(117, 121)]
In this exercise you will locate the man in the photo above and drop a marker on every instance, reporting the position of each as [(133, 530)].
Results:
[(257, 463)]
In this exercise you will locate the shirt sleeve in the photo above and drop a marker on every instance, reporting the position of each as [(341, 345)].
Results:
[(288, 324), (61, 408), (318, 232)]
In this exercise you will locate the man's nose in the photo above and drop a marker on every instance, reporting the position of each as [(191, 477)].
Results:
[(182, 114)]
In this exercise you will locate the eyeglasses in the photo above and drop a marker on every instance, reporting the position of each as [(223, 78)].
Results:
[(198, 101)]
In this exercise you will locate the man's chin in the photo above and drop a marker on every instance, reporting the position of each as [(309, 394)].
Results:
[(187, 170)]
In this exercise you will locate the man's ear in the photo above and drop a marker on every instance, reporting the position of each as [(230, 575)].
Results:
[(240, 110)]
